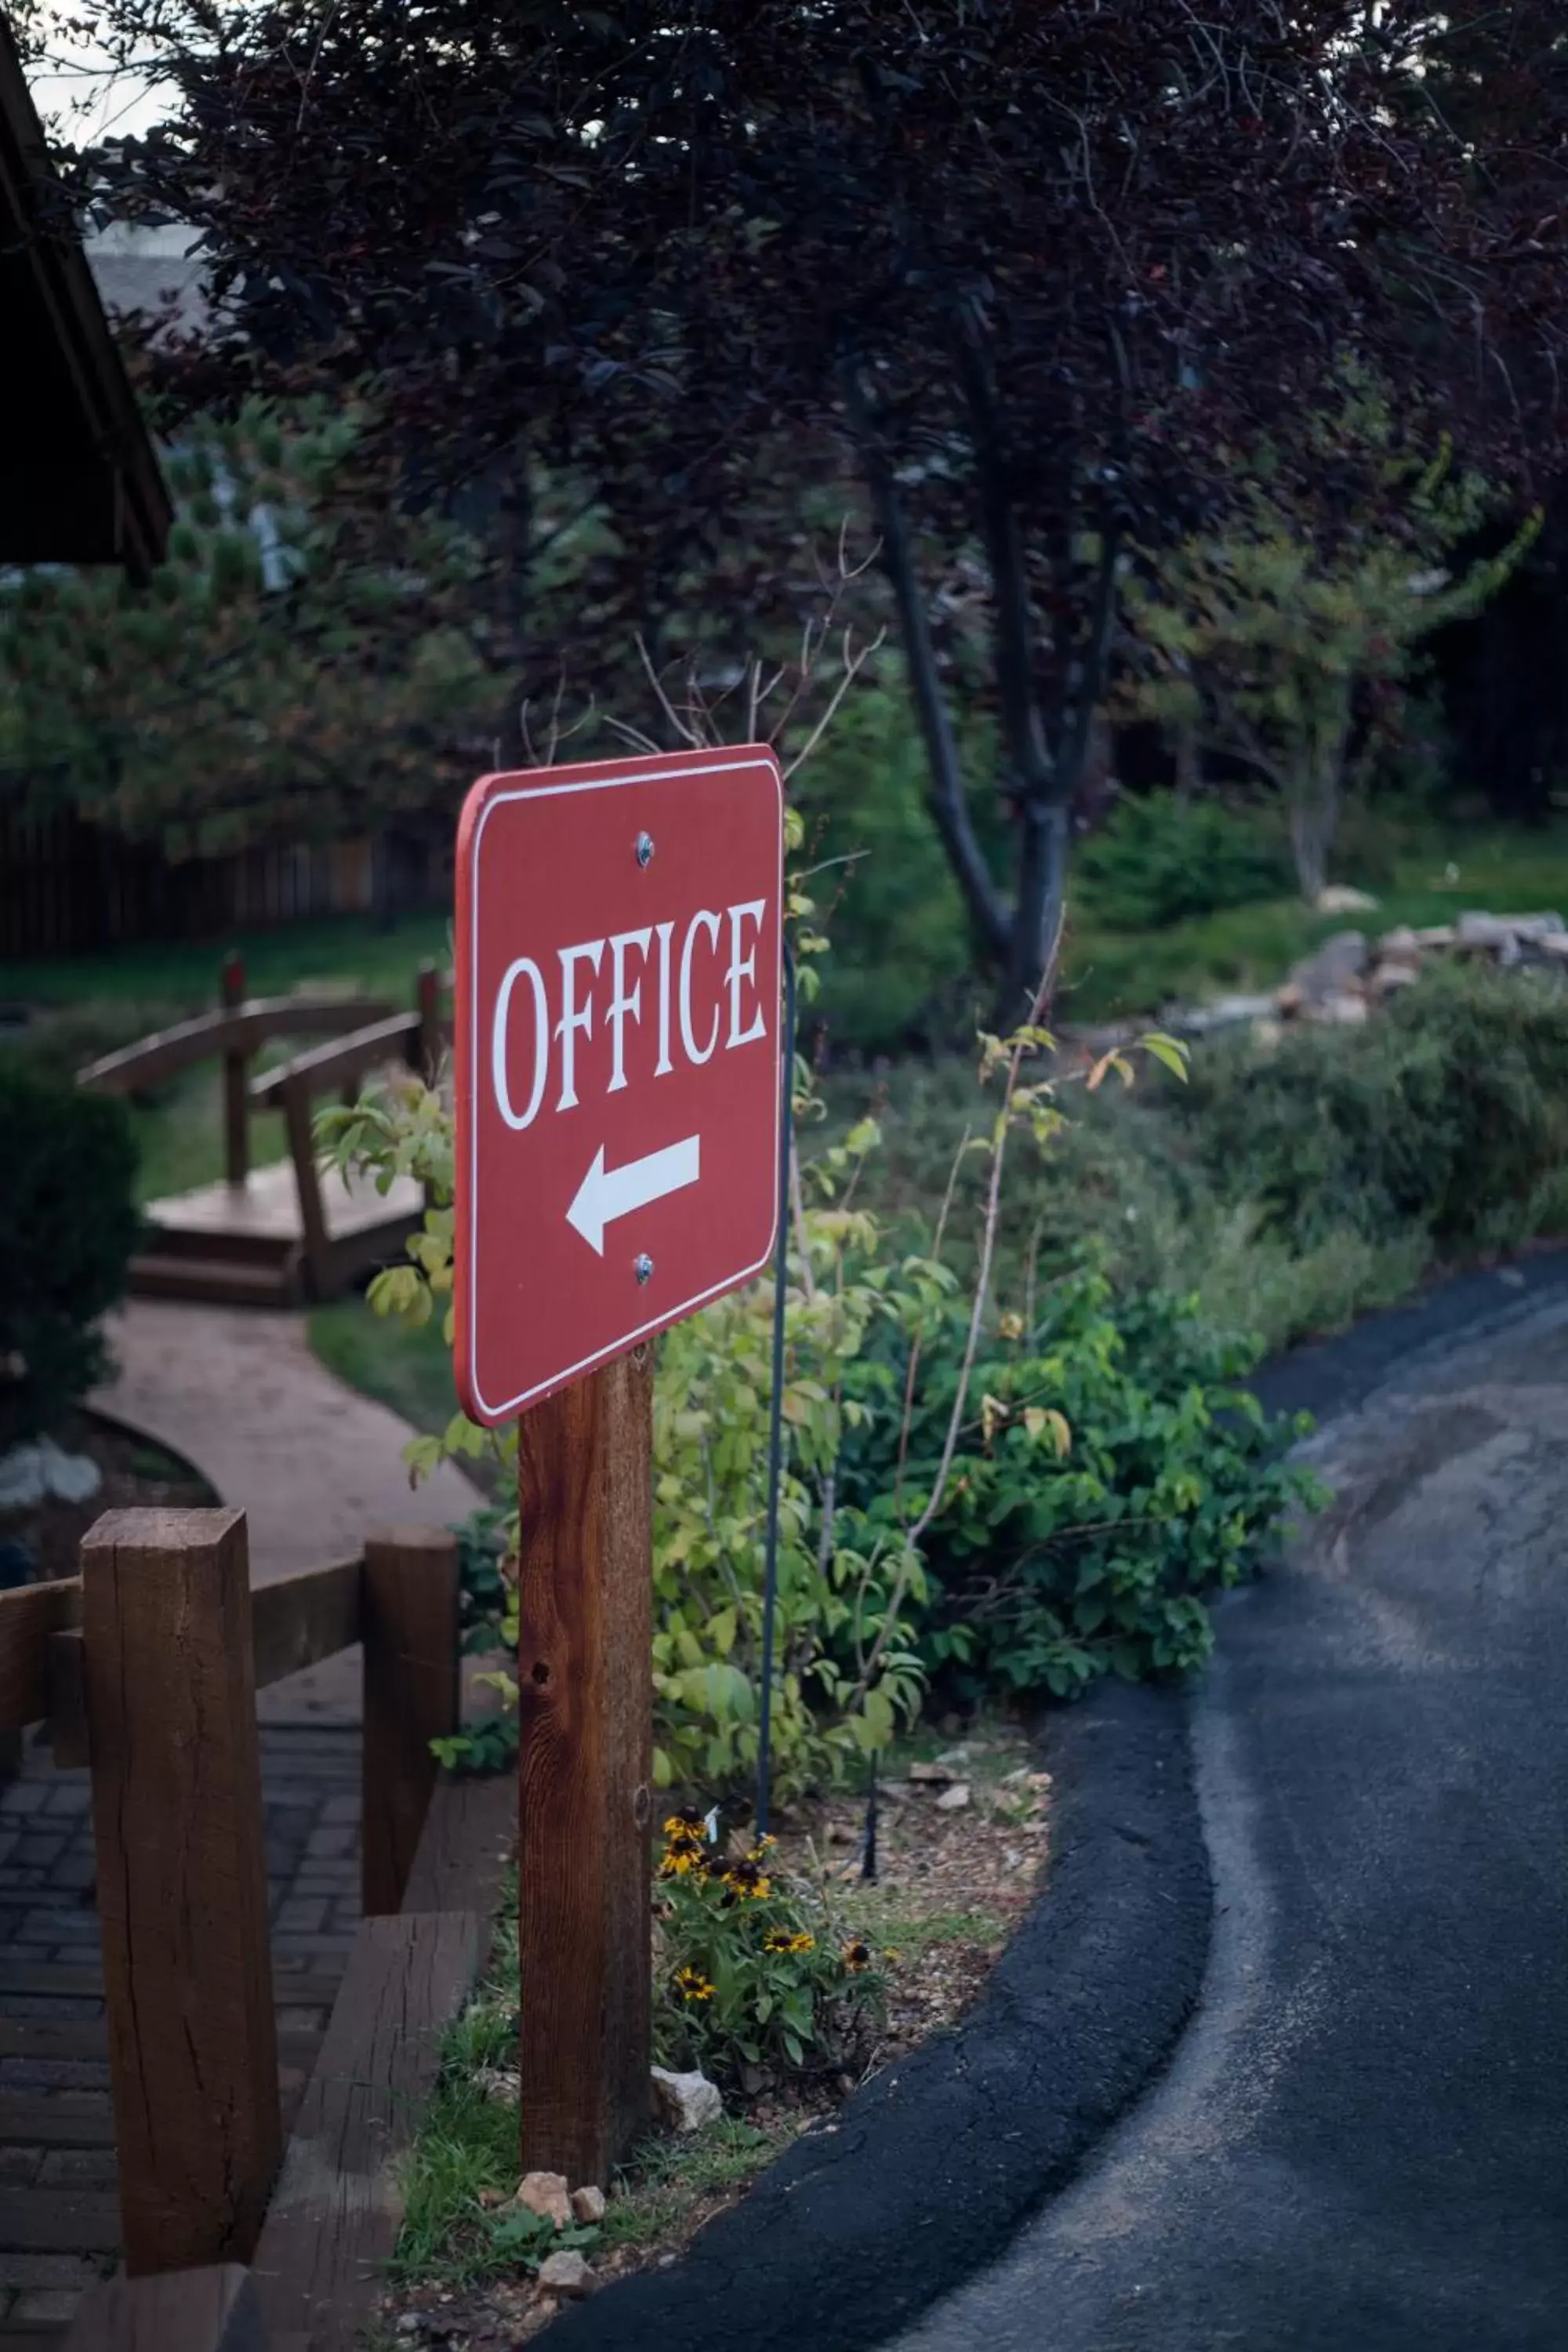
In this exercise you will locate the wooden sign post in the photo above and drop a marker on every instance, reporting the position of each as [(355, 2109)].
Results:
[(585, 1734), (618, 1042)]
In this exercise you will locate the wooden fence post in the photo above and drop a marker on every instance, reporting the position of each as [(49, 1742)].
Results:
[(427, 1004), (586, 1709), (170, 1700), (409, 1615), (236, 1080), (215, 2310)]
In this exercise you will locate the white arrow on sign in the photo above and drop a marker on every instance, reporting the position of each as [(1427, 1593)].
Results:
[(607, 1194)]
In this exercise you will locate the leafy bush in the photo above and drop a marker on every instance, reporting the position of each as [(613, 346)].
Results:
[(1447, 1116), (68, 1224), (1161, 860), (752, 1972), (886, 1355), (1113, 1473)]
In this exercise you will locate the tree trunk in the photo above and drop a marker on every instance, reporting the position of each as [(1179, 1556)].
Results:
[(1042, 906), (946, 798)]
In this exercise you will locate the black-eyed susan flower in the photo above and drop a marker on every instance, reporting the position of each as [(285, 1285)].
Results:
[(857, 1957), (748, 1879), (779, 1939), (678, 1861), (692, 1985)]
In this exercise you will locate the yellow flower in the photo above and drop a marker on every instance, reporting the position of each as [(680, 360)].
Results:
[(856, 1957), (1011, 1327), (779, 1940), (676, 1862), (693, 1985)]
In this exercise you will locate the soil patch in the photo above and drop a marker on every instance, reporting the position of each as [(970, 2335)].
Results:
[(961, 1847), (136, 1474)]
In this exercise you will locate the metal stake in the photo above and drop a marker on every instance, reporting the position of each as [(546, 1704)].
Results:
[(775, 1414)]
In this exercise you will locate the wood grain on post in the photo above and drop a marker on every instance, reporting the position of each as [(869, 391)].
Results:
[(236, 1077), (409, 1625), (586, 1730), (307, 1177), (170, 1701)]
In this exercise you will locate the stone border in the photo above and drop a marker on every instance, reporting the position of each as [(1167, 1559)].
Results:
[(928, 2171)]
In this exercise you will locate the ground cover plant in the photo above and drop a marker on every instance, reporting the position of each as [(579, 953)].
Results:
[(908, 1950)]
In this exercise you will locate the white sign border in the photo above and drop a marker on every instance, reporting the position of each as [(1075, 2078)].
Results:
[(722, 767)]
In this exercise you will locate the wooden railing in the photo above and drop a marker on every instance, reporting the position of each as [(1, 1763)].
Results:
[(146, 1667), (363, 1033)]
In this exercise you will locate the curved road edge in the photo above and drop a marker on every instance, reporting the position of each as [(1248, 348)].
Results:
[(928, 2170)]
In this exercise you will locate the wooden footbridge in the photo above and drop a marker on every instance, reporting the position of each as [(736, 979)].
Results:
[(294, 1229)]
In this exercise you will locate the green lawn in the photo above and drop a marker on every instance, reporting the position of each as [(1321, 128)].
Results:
[(83, 1007), (1500, 869), (410, 1370), (382, 959)]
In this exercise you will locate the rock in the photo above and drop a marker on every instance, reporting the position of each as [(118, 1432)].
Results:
[(22, 1484), (1343, 1012), (952, 1755), (686, 2102), (1402, 944), (567, 2274), (1435, 935), (953, 1799), (546, 2193), (29, 1475), (1487, 935), (1390, 977), (1331, 970), (1553, 947), (931, 1776), (1534, 929), (588, 2205), (502, 2085), (1224, 1012), (71, 1478), (1338, 899), (1290, 1001)]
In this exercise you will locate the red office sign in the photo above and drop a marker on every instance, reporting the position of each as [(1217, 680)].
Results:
[(618, 1030)]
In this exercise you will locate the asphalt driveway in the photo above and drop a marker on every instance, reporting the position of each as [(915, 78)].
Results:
[(1361, 2143)]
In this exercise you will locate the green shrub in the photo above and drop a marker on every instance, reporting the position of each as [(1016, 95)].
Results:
[(1114, 1473), (68, 1229), (1447, 1116), (1161, 860)]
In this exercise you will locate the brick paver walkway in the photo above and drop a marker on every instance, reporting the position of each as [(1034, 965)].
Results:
[(58, 2217), (316, 1469)]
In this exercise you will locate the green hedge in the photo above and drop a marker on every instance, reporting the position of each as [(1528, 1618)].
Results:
[(1447, 1115), (1161, 860), (68, 1224)]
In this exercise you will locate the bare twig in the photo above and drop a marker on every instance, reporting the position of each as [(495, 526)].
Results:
[(665, 703), (1022, 1044)]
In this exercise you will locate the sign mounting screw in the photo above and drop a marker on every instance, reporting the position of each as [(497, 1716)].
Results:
[(645, 849), (643, 1268)]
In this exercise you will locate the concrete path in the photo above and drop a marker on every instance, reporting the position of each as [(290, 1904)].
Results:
[(314, 1467), (1361, 2143)]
